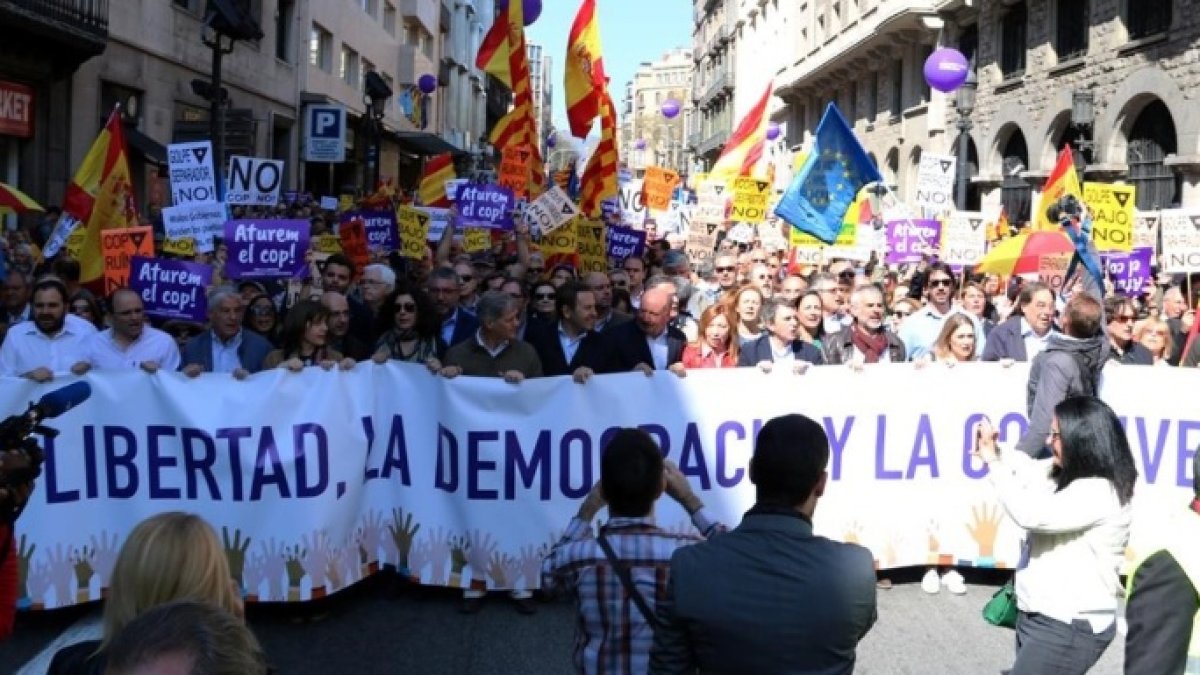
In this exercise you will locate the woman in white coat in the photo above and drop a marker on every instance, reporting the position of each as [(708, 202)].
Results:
[(1075, 509)]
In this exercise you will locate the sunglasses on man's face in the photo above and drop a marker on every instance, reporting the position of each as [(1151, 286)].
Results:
[(940, 283)]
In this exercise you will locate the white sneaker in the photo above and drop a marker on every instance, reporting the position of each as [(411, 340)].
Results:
[(930, 582), (953, 581)]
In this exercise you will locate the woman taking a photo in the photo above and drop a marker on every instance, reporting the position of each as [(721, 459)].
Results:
[(1075, 509), (715, 347)]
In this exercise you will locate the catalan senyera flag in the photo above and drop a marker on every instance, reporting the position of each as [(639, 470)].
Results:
[(583, 72), (519, 128), (745, 145), (1062, 181), (599, 181), (432, 190), (493, 53), (100, 196)]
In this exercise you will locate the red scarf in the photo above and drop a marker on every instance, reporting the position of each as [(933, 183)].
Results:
[(872, 345)]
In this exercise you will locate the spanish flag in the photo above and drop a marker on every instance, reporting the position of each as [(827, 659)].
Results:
[(432, 190), (583, 72), (100, 196), (1062, 181), (518, 129), (745, 146), (599, 181)]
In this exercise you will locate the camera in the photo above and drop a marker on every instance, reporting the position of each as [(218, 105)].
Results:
[(17, 434), (1067, 207)]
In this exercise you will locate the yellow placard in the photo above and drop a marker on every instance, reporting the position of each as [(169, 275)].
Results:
[(414, 230), (1112, 215), (183, 246), (657, 186), (561, 241), (750, 197), (847, 236), (590, 240), (476, 239), (75, 240), (327, 243)]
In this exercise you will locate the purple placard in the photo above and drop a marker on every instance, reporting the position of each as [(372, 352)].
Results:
[(1130, 271), (485, 205), (172, 289), (908, 240), (266, 249), (625, 242), (381, 228)]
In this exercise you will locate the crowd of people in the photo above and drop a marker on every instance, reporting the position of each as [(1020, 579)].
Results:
[(513, 313)]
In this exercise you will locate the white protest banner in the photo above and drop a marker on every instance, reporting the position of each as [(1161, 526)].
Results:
[(329, 203), (199, 222), (1052, 270), (550, 211), (1180, 240), (964, 238), (193, 180), (63, 229), (742, 233), (866, 240), (770, 233), (633, 211), (254, 181), (453, 185), (438, 220), (386, 465), (935, 182), (701, 243), (1145, 229), (677, 219), (710, 203)]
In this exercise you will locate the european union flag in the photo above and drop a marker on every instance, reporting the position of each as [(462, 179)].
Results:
[(836, 169)]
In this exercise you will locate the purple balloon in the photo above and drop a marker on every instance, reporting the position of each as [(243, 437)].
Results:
[(946, 69), (427, 83), (551, 140), (670, 108), (641, 144), (532, 8), (772, 131)]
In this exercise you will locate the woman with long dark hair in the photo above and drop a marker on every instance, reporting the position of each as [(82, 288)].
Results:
[(304, 340), (409, 329), (85, 306), (1075, 508), (262, 318)]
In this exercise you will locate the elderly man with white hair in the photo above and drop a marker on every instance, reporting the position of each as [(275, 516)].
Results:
[(866, 339), (377, 282)]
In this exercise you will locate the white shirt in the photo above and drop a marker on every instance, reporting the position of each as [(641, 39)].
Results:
[(781, 356), (570, 345), (24, 315), (104, 353), (1034, 344), (225, 358), (26, 348), (659, 350), (1076, 543), (448, 327), (491, 352)]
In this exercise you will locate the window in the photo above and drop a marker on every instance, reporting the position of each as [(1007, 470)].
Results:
[(1151, 139), (919, 74), (968, 42), (283, 30), (1015, 194), (1144, 18), (368, 6), (1012, 42), (320, 48), (427, 45), (897, 103), (1071, 29), (852, 109), (872, 96), (348, 66), (389, 18)]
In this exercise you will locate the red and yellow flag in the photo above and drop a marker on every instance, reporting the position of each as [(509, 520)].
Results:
[(583, 73), (1062, 181), (432, 190), (518, 129), (100, 196), (494, 51), (745, 145), (599, 181)]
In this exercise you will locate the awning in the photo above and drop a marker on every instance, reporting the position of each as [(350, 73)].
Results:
[(424, 143), (145, 146)]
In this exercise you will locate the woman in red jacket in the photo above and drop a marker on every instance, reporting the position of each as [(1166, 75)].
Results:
[(715, 347)]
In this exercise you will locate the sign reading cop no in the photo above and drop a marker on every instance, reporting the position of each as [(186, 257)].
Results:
[(325, 133)]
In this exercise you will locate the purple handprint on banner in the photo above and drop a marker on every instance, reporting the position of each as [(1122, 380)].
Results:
[(104, 556), (275, 567), (316, 561), (62, 574)]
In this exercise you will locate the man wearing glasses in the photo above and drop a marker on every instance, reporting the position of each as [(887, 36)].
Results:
[(833, 301), (921, 330), (129, 343), (725, 271), (1121, 315)]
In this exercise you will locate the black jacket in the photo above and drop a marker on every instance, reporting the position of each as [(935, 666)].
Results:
[(760, 350), (1162, 603), (838, 348), (629, 346), (594, 351)]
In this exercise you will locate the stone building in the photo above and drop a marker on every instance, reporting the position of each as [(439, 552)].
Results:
[(713, 79), (663, 139)]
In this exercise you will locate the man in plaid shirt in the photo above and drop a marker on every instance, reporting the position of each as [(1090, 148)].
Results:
[(614, 635)]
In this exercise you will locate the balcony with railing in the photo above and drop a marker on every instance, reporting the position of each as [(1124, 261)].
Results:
[(77, 29)]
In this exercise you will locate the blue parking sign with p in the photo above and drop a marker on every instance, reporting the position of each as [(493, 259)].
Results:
[(326, 134)]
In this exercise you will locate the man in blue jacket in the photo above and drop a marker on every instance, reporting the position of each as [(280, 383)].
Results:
[(225, 347)]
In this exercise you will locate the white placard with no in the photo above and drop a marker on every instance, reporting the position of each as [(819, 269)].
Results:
[(193, 180), (964, 238), (1180, 240), (254, 181), (935, 182), (550, 211)]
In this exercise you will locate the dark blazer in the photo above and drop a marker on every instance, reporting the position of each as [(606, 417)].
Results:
[(629, 346), (78, 659), (1161, 605), (760, 350), (465, 325), (838, 348), (1005, 342), (594, 350), (251, 352), (731, 604), (616, 319)]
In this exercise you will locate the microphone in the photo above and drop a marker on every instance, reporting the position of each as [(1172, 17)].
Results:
[(61, 400)]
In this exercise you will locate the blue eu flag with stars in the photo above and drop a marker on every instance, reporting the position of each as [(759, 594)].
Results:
[(836, 169)]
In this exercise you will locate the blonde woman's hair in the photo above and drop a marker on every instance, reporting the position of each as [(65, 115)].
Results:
[(1157, 324), (169, 557), (941, 347)]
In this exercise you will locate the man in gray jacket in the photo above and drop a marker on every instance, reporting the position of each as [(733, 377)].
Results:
[(770, 597)]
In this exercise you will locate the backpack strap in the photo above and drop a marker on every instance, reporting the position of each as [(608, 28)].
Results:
[(631, 590)]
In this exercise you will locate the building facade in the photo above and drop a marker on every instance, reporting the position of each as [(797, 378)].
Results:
[(643, 123), (714, 76), (541, 85)]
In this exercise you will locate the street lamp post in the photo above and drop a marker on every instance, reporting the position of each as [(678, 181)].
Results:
[(375, 97), (1083, 117), (964, 102), (223, 21)]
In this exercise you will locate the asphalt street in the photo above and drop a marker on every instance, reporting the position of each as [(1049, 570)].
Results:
[(371, 629)]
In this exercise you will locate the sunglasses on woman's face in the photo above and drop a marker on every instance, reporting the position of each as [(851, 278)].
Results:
[(543, 296)]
